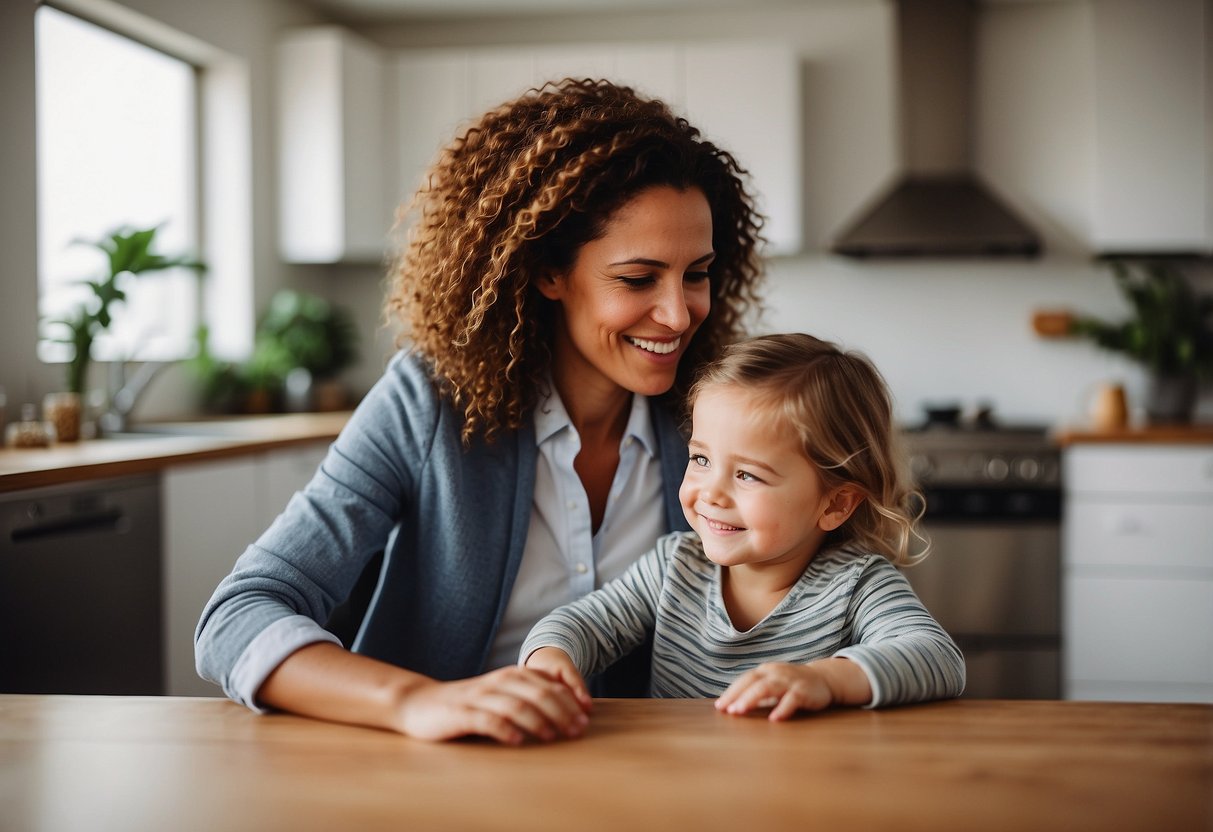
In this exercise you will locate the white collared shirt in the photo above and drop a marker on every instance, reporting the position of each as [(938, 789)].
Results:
[(563, 560)]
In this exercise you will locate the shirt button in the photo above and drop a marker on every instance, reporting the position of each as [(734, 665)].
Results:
[(582, 569), (572, 505), (627, 443)]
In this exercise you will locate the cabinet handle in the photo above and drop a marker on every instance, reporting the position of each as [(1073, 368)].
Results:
[(73, 524)]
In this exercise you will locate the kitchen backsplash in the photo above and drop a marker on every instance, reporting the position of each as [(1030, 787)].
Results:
[(960, 331)]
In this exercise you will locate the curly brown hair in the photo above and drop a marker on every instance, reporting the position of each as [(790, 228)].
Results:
[(515, 197)]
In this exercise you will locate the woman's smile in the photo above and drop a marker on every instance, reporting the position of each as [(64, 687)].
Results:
[(656, 347)]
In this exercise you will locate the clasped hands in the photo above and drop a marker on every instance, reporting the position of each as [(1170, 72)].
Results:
[(547, 698)]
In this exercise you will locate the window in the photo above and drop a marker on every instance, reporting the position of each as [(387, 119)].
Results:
[(117, 146)]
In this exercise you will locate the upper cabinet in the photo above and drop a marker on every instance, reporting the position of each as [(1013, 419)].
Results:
[(745, 98), (358, 127), (334, 162), (1153, 188)]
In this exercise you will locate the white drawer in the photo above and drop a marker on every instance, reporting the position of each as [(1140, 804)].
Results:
[(1101, 533), (1157, 631), (1146, 469)]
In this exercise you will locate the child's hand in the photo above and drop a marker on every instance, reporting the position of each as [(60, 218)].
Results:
[(787, 688), (556, 664)]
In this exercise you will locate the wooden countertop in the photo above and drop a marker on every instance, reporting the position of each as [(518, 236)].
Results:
[(22, 468), (1198, 434), (119, 763)]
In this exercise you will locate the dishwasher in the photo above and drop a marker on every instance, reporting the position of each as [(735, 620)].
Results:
[(80, 588)]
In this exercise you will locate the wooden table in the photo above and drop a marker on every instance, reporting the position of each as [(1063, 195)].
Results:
[(102, 763)]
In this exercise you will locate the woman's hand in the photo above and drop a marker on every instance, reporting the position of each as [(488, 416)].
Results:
[(507, 705), (788, 688), (556, 664)]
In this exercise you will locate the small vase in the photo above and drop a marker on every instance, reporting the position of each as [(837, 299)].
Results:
[(1170, 399), (63, 410)]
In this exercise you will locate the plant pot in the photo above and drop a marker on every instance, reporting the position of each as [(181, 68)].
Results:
[(1170, 400)]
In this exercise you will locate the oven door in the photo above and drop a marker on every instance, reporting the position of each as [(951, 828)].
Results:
[(994, 586)]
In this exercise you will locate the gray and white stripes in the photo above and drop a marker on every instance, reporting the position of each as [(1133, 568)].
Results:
[(845, 604)]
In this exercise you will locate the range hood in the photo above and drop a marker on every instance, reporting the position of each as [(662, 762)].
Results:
[(938, 207)]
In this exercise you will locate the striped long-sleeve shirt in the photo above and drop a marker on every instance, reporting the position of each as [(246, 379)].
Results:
[(845, 604)]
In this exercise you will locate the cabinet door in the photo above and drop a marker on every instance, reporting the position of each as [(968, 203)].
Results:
[(210, 518), (1152, 126), (1138, 585), (433, 99), (331, 153), (656, 70), (555, 63), (1155, 536), (1140, 634), (1182, 471), (498, 75), (747, 98), (281, 473)]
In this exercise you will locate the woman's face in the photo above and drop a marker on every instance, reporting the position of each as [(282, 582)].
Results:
[(635, 296)]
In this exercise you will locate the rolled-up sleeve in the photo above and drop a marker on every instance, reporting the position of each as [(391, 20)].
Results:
[(285, 585), (905, 653)]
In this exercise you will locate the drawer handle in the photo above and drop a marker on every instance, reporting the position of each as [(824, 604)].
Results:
[(104, 521)]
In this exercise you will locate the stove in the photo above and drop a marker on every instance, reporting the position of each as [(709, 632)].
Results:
[(993, 514)]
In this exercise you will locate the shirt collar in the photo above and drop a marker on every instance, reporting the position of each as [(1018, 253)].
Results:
[(551, 418)]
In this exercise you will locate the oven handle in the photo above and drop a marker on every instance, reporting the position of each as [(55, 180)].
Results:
[(104, 520)]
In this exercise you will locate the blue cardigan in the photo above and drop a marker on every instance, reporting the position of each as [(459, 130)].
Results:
[(451, 520)]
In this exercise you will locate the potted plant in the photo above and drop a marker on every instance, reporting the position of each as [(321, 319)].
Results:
[(302, 344), (317, 340), (1170, 333), (128, 254)]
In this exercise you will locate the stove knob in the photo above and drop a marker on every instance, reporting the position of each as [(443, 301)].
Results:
[(997, 468), (1027, 468)]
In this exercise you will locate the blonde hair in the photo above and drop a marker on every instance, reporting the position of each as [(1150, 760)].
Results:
[(838, 404), (514, 198)]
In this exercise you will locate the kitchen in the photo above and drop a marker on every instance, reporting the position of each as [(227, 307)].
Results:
[(941, 330)]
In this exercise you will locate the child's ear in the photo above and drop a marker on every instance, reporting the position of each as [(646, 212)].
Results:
[(550, 284), (841, 505)]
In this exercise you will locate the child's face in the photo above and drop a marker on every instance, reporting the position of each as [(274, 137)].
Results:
[(748, 490)]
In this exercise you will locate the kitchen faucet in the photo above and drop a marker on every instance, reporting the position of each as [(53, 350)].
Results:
[(124, 392)]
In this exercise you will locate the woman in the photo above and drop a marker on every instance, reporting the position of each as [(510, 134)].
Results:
[(575, 257)]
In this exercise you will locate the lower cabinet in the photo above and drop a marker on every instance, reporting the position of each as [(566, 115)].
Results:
[(1138, 573), (212, 511), (80, 588)]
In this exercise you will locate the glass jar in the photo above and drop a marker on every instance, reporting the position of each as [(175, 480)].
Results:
[(30, 432), (63, 410)]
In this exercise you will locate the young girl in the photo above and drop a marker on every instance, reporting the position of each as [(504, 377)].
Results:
[(786, 594)]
